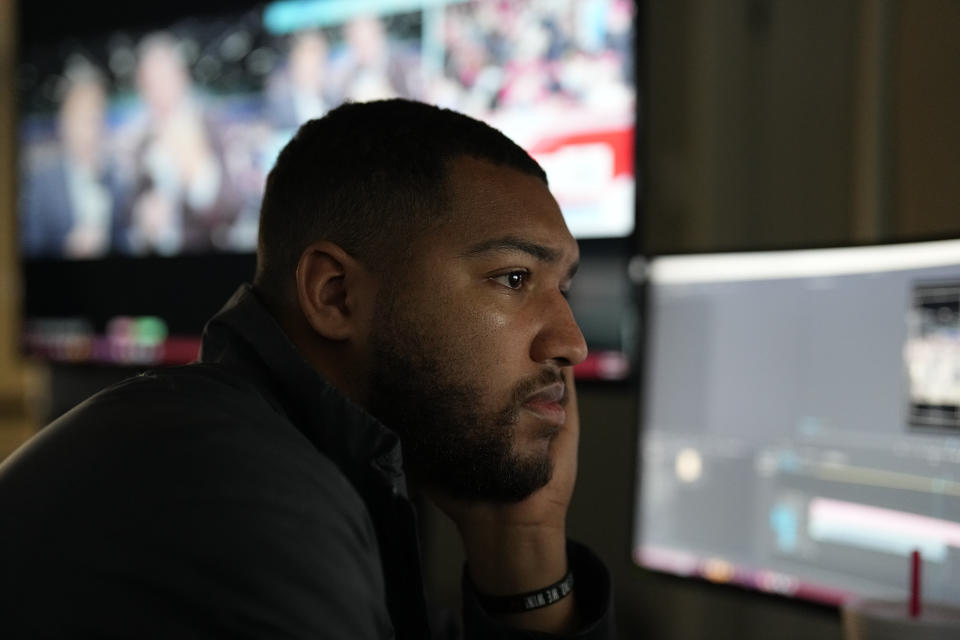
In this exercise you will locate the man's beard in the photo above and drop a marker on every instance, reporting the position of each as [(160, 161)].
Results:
[(450, 442)]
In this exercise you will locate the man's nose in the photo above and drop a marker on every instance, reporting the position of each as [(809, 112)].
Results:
[(560, 340)]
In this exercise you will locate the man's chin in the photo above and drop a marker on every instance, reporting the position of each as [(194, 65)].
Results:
[(520, 480), (535, 437)]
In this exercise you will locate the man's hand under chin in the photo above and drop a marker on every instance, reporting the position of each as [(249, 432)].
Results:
[(514, 548)]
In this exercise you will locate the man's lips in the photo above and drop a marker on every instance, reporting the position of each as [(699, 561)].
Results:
[(548, 403)]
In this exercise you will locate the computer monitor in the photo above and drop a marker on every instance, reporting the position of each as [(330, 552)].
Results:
[(143, 150), (800, 420)]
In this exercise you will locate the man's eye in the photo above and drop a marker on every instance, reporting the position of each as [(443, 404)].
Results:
[(513, 280)]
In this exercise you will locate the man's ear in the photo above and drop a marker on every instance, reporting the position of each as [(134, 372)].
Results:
[(330, 284)]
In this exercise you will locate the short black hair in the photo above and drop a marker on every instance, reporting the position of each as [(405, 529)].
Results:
[(370, 177)]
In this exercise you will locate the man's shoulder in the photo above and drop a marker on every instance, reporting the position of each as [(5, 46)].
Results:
[(194, 392), (181, 487), (186, 402), (199, 423)]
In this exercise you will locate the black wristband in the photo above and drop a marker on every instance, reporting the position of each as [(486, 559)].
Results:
[(530, 600)]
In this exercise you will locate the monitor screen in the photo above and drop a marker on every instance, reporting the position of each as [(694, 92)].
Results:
[(143, 151), (801, 420), (158, 143)]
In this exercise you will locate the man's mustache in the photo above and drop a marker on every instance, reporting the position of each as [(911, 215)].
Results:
[(530, 385)]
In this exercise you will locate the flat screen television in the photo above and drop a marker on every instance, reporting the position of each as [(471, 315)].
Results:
[(143, 148), (800, 420)]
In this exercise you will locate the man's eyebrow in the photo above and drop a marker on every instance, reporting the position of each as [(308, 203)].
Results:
[(510, 244)]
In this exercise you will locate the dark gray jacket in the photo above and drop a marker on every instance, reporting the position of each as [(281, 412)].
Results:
[(238, 497)]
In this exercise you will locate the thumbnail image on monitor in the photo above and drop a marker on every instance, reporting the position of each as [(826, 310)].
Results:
[(143, 151), (800, 429)]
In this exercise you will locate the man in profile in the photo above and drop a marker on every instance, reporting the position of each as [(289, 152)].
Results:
[(410, 290)]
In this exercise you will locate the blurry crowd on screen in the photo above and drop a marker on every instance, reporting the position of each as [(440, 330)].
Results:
[(176, 163)]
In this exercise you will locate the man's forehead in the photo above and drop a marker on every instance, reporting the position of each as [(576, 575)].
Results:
[(496, 207)]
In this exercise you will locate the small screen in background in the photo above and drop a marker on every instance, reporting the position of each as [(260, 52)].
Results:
[(932, 355)]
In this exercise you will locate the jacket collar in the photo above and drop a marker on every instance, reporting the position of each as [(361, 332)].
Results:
[(244, 336)]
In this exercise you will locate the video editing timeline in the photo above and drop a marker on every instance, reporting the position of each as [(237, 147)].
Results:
[(799, 422)]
